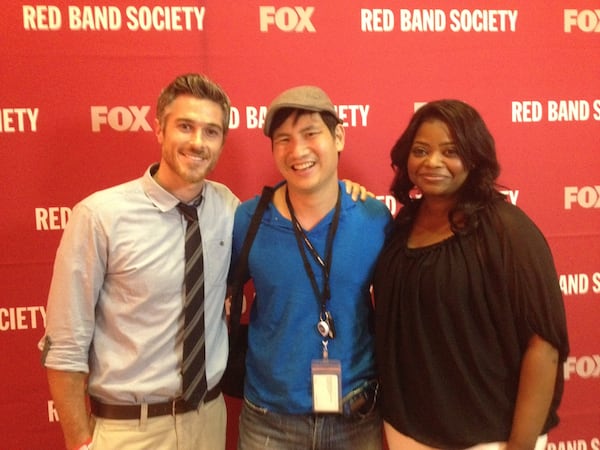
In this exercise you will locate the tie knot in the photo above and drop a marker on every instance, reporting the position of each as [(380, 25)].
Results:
[(189, 212)]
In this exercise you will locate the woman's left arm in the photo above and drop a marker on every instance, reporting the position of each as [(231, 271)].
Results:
[(536, 389)]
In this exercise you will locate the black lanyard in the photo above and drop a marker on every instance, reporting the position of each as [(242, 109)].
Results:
[(302, 240)]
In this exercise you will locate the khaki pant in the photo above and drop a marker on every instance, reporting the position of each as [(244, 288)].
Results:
[(203, 429)]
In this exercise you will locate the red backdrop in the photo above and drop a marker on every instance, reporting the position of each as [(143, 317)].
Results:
[(78, 86)]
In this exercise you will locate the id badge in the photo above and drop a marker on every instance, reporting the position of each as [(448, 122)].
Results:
[(327, 385)]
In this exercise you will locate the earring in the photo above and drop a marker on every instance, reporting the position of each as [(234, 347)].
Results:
[(415, 193)]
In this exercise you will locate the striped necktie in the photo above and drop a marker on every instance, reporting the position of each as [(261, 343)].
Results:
[(194, 374)]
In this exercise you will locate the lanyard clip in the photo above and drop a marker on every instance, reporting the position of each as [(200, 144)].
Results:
[(325, 350)]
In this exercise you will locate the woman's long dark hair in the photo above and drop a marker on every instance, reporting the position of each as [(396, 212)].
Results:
[(476, 149)]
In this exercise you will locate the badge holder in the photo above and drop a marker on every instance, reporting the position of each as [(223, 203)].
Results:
[(326, 378)]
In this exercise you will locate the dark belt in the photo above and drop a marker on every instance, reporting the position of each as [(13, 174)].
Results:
[(128, 412)]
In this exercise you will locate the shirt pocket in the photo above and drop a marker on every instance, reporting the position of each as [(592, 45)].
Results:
[(217, 256)]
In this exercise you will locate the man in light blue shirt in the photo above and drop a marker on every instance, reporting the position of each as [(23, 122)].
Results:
[(115, 307)]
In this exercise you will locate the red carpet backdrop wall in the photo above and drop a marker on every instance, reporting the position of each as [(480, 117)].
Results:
[(78, 86)]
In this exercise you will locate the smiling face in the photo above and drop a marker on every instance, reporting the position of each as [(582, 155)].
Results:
[(306, 153), (434, 164), (191, 138)]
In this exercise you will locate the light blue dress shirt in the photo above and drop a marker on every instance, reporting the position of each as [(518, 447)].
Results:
[(116, 298)]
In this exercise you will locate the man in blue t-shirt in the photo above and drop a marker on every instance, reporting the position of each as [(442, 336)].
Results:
[(310, 380)]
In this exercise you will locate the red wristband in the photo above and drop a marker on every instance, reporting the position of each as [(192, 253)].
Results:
[(84, 445)]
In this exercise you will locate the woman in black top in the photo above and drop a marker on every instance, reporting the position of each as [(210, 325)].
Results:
[(470, 329)]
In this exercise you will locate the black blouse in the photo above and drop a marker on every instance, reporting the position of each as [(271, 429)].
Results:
[(453, 320)]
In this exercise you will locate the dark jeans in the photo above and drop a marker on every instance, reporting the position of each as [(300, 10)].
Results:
[(261, 429)]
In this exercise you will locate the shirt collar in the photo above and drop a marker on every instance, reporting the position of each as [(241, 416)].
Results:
[(159, 197)]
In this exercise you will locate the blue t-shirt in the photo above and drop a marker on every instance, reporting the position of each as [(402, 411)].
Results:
[(283, 339)]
